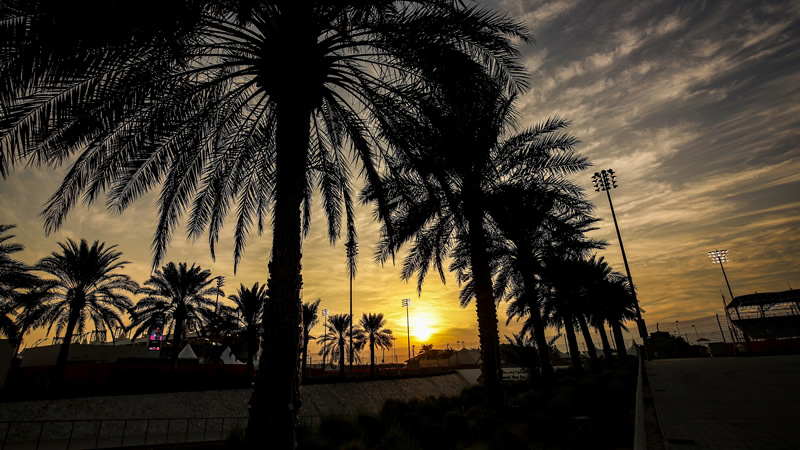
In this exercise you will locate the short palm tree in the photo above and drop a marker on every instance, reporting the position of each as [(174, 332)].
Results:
[(249, 312), (180, 297), (337, 345), (310, 318), (251, 103), (85, 289), (374, 334)]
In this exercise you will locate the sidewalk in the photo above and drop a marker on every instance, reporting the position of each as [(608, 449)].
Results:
[(727, 403)]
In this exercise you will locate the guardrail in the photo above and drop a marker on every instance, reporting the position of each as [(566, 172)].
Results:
[(107, 433)]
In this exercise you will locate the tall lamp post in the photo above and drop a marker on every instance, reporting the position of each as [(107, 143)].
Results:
[(721, 256), (220, 283), (605, 180), (406, 305), (325, 340), (352, 252)]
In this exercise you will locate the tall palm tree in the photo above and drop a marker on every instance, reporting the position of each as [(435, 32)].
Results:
[(250, 103), (453, 165), (85, 289), (249, 309), (310, 318), (555, 218), (180, 296), (374, 334)]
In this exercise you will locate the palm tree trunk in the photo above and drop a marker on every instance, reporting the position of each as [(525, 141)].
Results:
[(372, 357), (275, 401), (342, 350), (305, 352), (488, 333), (587, 338), (536, 314), (76, 305), (604, 342), (616, 328), (572, 343), (252, 349), (177, 334)]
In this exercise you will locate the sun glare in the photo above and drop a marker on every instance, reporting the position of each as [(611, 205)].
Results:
[(422, 329)]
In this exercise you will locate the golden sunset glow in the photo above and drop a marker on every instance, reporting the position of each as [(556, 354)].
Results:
[(422, 329)]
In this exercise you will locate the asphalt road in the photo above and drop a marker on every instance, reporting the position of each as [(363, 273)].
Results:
[(727, 403)]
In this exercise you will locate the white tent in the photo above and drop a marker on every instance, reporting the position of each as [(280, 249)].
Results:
[(187, 353), (227, 357)]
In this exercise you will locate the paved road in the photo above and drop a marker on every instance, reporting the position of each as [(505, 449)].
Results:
[(728, 403)]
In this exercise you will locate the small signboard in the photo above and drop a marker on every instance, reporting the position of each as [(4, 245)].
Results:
[(156, 335)]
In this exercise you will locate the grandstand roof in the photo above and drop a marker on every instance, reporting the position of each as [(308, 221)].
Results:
[(765, 298)]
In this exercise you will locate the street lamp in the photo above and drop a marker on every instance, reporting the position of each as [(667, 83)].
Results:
[(605, 180), (352, 251), (220, 283), (406, 305), (721, 256), (325, 340), (696, 334), (679, 328)]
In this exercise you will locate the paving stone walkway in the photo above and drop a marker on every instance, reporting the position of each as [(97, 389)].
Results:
[(728, 403)]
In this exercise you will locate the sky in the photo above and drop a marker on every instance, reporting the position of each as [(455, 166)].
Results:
[(695, 105)]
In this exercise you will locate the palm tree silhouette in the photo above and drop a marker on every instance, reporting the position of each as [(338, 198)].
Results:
[(337, 345), (251, 103), (249, 311), (310, 318), (85, 289), (374, 334), (181, 296), (18, 290)]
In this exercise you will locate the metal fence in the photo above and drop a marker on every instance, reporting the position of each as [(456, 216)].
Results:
[(114, 433)]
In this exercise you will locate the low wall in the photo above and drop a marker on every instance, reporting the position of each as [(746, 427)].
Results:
[(318, 400)]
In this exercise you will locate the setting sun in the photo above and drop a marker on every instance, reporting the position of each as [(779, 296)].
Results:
[(423, 328)]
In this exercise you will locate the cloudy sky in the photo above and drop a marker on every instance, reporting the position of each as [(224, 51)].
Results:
[(695, 105)]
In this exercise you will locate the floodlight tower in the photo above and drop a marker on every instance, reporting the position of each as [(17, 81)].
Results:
[(352, 252), (721, 256), (605, 180), (220, 283), (406, 305), (325, 340)]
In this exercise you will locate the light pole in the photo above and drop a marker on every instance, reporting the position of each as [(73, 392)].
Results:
[(406, 305), (721, 256), (696, 334), (352, 252), (605, 180), (679, 328), (220, 283), (325, 340)]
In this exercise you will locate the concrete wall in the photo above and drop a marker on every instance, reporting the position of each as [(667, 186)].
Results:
[(318, 400)]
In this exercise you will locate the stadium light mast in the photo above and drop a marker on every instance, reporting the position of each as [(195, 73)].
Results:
[(352, 252), (406, 305), (325, 339), (605, 180), (721, 256)]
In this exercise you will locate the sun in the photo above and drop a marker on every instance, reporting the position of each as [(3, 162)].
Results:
[(423, 328)]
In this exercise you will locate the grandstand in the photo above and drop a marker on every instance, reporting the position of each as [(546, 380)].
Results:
[(766, 315)]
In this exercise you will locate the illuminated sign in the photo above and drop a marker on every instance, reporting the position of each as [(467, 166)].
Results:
[(156, 335)]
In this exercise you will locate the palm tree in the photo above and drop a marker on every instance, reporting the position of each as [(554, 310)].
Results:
[(250, 313), (455, 164), (336, 345), (181, 297), (250, 103), (310, 318), (18, 289), (374, 334), (85, 289), (425, 348)]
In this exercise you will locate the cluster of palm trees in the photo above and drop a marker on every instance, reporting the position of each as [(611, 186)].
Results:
[(83, 291), (247, 107)]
